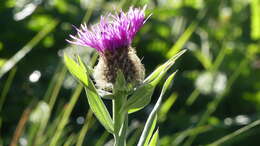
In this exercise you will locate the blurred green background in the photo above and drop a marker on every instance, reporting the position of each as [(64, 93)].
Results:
[(216, 90)]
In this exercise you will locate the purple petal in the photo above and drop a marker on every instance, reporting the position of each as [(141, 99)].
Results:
[(113, 32)]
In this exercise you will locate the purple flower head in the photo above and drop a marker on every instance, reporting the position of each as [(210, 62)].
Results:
[(113, 32)]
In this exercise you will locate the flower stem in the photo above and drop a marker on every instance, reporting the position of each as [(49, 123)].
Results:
[(120, 118)]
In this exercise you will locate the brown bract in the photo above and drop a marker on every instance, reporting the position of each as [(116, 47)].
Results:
[(110, 62)]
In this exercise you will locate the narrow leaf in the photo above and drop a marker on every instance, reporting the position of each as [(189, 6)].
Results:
[(140, 98), (155, 139), (81, 63), (167, 65), (150, 132), (76, 70), (153, 115), (95, 102), (166, 106), (99, 109)]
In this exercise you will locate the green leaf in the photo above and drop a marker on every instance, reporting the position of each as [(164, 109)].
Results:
[(167, 83), (81, 63), (96, 104), (140, 98), (99, 109), (155, 139), (165, 67), (86, 68), (150, 132), (153, 116), (166, 107), (76, 70)]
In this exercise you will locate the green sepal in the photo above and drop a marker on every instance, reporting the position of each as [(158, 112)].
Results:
[(120, 85)]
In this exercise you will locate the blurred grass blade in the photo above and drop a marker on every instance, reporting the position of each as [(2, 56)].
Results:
[(155, 139), (55, 86), (133, 139), (204, 59), (50, 97), (101, 141), (24, 8), (166, 106), (182, 40), (66, 115), (37, 118), (20, 127), (153, 116), (234, 134), (89, 121), (178, 138), (7, 86), (43, 138), (212, 106), (214, 67), (255, 19), (70, 140), (27, 48)]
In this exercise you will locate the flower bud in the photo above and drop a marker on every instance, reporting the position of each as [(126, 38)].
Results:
[(112, 38)]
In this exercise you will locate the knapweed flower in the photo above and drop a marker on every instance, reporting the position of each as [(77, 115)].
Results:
[(112, 38)]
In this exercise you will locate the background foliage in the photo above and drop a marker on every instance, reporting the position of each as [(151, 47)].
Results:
[(216, 90)]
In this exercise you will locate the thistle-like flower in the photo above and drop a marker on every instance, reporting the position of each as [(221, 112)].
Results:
[(112, 38)]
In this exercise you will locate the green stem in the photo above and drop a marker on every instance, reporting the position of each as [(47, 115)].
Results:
[(120, 118)]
